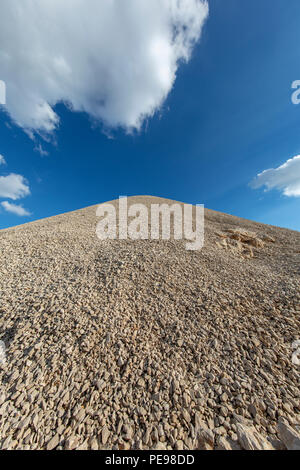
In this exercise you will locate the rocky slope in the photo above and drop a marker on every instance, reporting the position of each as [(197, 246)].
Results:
[(142, 345)]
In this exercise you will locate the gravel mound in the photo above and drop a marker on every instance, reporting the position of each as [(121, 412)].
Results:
[(145, 345)]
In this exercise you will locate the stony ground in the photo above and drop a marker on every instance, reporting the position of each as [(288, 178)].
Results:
[(143, 345)]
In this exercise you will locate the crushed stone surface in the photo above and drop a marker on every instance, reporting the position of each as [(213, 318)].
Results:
[(145, 345)]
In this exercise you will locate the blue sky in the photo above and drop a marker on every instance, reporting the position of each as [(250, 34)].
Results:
[(228, 117)]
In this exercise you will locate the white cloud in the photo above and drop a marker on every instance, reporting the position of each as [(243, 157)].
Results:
[(2, 160), (13, 186), (114, 59), (38, 148), (285, 178), (14, 208)]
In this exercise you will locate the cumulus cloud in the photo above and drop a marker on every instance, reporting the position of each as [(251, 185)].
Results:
[(285, 178), (13, 186), (115, 59), (14, 208), (2, 160)]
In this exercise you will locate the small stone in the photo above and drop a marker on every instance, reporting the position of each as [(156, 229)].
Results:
[(24, 423), (220, 431), (224, 411), (223, 444), (186, 416), (156, 397), (128, 432), (224, 397), (277, 444), (252, 410), (82, 446), (141, 382), (53, 442), (94, 443), (159, 446), (2, 398), (100, 384), (80, 415), (120, 362), (255, 341), (2, 353), (124, 446), (71, 443), (179, 445), (105, 435)]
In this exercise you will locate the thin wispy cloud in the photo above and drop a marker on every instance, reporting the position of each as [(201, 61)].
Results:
[(13, 186), (38, 148), (115, 60), (2, 160), (285, 178), (15, 209)]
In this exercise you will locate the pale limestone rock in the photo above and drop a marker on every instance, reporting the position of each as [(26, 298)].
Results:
[(71, 443), (94, 443), (205, 438), (160, 446), (249, 439), (53, 442), (223, 443), (288, 436), (105, 435)]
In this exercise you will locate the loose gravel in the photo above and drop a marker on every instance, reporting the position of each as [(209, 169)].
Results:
[(145, 345)]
